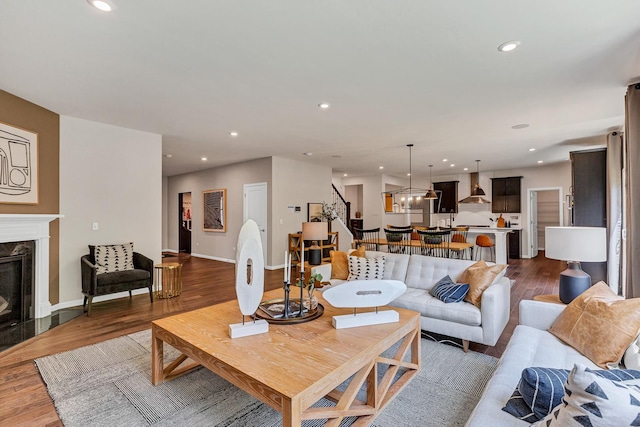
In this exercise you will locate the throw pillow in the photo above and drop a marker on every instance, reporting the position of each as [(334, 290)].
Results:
[(361, 252), (542, 389), (449, 291), (632, 355), (590, 400), (517, 407), (339, 265), (599, 324), (110, 258), (366, 268), (479, 276)]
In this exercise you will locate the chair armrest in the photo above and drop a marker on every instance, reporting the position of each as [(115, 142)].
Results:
[(539, 314), (88, 275), (495, 309), (324, 269), (142, 262)]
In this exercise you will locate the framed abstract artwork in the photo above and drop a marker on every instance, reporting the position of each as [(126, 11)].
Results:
[(314, 212), (214, 210), (18, 165)]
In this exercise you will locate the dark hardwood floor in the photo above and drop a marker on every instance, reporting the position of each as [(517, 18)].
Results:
[(24, 400)]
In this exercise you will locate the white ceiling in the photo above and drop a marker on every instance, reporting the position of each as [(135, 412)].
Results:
[(395, 72)]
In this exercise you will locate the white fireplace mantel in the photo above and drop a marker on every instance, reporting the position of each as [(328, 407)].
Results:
[(24, 227)]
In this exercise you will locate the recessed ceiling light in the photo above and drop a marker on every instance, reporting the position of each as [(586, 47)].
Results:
[(324, 105), (520, 126), (408, 174), (168, 156), (532, 149), (344, 174), (466, 169), (508, 46), (102, 5), (540, 161), (233, 133), (444, 160), (204, 159), (451, 165), (380, 167), (308, 154)]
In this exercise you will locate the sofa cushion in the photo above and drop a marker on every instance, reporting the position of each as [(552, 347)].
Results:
[(480, 276), (448, 291), (111, 258), (366, 268), (126, 276), (632, 355), (599, 324), (429, 306), (590, 400), (395, 265), (423, 272)]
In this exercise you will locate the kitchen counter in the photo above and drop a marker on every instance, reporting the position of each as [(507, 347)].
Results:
[(500, 239)]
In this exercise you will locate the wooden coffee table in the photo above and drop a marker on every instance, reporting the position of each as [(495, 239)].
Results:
[(293, 366)]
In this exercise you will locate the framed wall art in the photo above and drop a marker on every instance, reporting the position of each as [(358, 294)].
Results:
[(314, 212), (214, 210), (18, 165)]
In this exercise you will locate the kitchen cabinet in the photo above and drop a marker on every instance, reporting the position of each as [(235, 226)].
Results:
[(506, 194), (589, 190), (448, 197)]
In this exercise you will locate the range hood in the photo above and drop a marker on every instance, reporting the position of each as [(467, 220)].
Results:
[(477, 192)]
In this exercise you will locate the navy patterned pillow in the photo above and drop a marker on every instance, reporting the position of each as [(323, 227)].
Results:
[(449, 291), (542, 389)]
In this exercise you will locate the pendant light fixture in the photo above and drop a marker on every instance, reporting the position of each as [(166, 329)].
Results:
[(431, 195), (404, 200)]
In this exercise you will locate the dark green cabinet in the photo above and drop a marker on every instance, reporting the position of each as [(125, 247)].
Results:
[(506, 194), (447, 197)]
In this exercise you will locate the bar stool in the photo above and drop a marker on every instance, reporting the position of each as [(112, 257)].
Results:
[(483, 241)]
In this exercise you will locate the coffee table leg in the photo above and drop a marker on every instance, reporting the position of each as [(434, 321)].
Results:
[(157, 360), (291, 413)]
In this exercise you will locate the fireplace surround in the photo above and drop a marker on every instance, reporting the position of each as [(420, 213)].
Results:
[(26, 227)]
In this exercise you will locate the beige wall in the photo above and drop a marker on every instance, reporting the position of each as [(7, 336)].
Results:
[(214, 245), (112, 176), (23, 114)]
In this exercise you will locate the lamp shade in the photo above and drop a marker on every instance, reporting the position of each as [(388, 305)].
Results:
[(315, 231), (583, 244)]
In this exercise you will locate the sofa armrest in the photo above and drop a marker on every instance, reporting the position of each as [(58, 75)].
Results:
[(324, 269), (142, 262), (494, 310), (88, 276), (538, 314)]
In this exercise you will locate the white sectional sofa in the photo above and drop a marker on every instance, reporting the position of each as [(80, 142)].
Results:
[(530, 346), (460, 320)]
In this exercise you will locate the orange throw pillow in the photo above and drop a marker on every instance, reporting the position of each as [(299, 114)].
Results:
[(479, 276), (340, 262), (599, 324)]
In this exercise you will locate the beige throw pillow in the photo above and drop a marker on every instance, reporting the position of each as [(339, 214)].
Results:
[(599, 324), (340, 262), (479, 276)]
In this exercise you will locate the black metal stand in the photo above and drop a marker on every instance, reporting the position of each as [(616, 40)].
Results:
[(300, 314), (287, 309)]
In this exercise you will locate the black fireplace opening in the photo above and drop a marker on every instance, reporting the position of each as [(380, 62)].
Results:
[(16, 282)]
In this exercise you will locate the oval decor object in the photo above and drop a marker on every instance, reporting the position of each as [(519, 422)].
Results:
[(249, 268), (364, 293)]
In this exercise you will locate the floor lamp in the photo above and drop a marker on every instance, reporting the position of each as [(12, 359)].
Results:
[(315, 231), (575, 245)]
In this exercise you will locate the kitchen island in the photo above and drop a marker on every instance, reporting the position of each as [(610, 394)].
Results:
[(500, 239)]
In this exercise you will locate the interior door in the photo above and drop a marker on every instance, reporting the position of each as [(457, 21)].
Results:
[(255, 208), (533, 223)]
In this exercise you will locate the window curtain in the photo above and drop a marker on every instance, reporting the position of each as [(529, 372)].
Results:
[(614, 210), (631, 230)]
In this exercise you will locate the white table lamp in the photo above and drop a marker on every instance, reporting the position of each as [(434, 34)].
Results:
[(315, 231), (575, 245)]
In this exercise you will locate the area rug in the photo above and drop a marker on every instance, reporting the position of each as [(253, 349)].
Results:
[(109, 384)]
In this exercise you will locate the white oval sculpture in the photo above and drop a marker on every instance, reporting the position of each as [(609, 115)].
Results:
[(364, 293), (249, 268)]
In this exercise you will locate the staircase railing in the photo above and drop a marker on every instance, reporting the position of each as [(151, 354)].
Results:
[(343, 208)]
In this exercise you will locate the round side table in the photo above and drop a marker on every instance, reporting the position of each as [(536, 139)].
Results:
[(168, 280)]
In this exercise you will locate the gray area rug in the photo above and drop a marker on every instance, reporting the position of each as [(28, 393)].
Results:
[(109, 384)]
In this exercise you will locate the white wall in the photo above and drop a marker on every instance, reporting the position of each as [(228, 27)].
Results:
[(112, 176)]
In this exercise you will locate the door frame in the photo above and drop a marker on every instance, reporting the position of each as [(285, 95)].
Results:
[(530, 209), (245, 214)]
